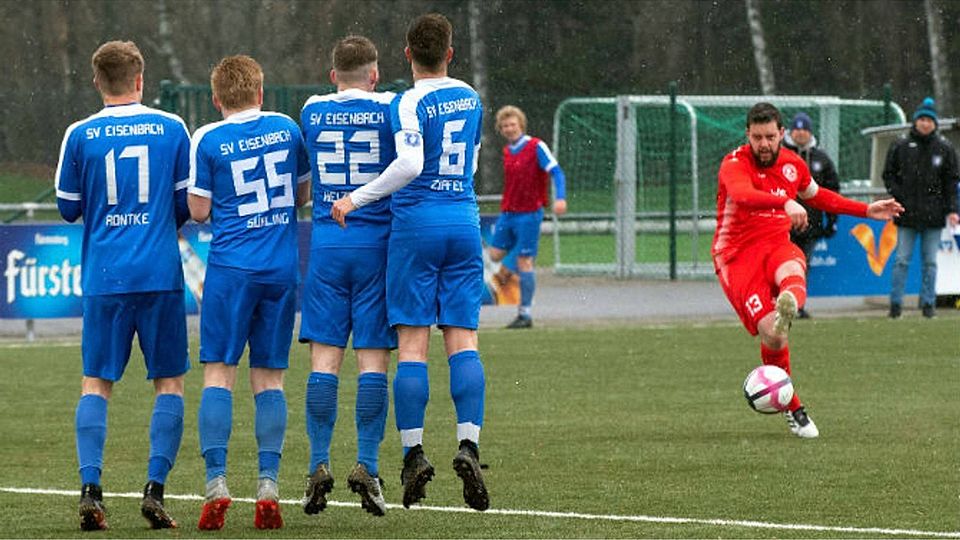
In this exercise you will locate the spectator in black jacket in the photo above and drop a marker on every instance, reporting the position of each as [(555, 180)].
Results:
[(921, 173), (801, 140)]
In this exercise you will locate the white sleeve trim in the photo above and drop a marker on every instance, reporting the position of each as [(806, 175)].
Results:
[(183, 184), (200, 192), (67, 196), (811, 190), (552, 160), (194, 147), (304, 177), (63, 151), (402, 171)]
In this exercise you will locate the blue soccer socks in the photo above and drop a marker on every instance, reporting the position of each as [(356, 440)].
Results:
[(371, 417), (321, 415), (411, 392), (215, 422), (215, 419), (166, 431), (270, 425), (528, 285), (91, 427), (467, 384)]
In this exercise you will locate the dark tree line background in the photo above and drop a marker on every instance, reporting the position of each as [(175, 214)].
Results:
[(532, 53)]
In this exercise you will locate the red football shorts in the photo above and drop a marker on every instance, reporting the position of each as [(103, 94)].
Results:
[(748, 279)]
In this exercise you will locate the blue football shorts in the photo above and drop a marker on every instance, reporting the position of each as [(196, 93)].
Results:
[(345, 291), (520, 230), (435, 276), (236, 311), (160, 322)]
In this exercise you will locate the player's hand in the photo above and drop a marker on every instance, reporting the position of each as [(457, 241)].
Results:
[(884, 209), (560, 207), (953, 219), (340, 210), (797, 214)]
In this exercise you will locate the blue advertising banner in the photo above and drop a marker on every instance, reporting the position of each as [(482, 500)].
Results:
[(40, 265), (858, 260)]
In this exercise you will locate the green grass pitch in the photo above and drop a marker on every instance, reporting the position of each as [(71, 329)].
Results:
[(612, 421)]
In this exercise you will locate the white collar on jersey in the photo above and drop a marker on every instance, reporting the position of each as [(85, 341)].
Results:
[(440, 82), (520, 142), (127, 109), (244, 115), (356, 93), (353, 92)]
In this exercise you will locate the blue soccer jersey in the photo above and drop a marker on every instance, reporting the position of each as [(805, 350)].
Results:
[(349, 142), (250, 164), (445, 114), (124, 165)]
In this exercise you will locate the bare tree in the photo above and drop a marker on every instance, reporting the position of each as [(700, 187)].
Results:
[(61, 36), (478, 61), (764, 66), (939, 65), (165, 34)]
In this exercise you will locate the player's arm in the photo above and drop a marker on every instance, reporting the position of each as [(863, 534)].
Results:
[(550, 165), (67, 180), (736, 178), (303, 174), (400, 172), (408, 164), (830, 201), (303, 192), (200, 190), (181, 209), (199, 207)]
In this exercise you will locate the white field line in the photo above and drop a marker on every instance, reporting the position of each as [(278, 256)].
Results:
[(559, 515), (37, 344)]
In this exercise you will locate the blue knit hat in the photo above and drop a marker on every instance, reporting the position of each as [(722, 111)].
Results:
[(928, 109), (802, 121)]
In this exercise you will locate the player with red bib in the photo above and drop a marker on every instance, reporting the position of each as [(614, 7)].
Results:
[(527, 162), (762, 273)]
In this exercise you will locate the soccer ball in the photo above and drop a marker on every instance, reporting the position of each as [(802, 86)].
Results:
[(768, 389)]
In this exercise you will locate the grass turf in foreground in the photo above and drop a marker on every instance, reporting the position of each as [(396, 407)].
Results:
[(619, 420)]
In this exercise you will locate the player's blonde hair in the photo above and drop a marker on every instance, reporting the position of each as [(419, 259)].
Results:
[(236, 82), (116, 65), (352, 57), (512, 111)]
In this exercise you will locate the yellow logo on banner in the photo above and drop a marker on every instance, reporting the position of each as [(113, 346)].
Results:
[(877, 256)]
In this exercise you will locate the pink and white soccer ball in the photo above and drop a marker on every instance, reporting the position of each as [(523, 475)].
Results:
[(768, 389)]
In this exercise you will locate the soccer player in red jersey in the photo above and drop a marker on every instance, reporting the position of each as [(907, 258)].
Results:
[(762, 273), (527, 162)]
